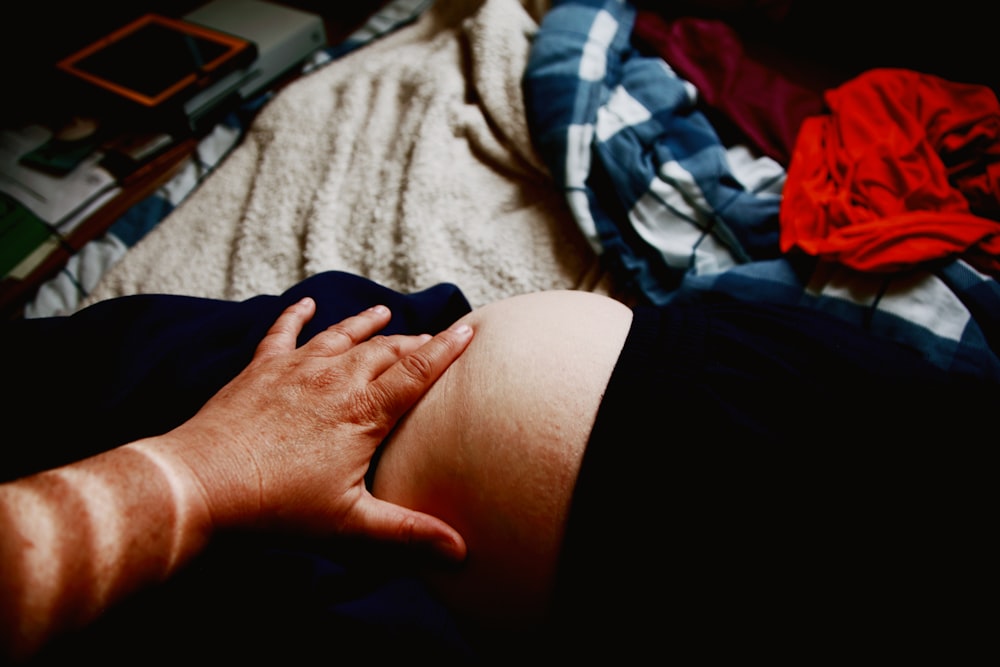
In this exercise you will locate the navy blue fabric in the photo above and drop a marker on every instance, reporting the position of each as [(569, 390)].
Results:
[(139, 365), (950, 317)]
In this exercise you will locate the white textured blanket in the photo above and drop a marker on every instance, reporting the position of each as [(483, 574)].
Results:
[(408, 162)]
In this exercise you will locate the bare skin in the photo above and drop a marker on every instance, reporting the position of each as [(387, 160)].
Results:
[(285, 445), (494, 447)]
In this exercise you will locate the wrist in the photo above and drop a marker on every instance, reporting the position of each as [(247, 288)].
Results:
[(219, 478), (188, 497)]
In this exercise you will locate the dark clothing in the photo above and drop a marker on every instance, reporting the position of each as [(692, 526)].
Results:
[(760, 481), (770, 481), (138, 366)]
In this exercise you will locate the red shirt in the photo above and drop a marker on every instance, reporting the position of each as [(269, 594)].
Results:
[(904, 169)]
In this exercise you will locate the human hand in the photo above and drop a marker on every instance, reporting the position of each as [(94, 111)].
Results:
[(287, 443)]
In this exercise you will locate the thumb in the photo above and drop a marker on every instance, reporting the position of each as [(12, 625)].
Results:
[(388, 522)]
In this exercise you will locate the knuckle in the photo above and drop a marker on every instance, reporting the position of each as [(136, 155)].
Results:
[(339, 332), (373, 409), (386, 342), (323, 377), (418, 366), (331, 341), (406, 530)]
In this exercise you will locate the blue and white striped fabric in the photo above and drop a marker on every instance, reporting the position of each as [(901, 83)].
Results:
[(645, 174), (951, 316), (676, 215), (61, 294)]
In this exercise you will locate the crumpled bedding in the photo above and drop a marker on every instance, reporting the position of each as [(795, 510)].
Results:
[(646, 176), (421, 159), (408, 162)]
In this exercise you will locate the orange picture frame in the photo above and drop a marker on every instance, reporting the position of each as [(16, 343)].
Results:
[(155, 58)]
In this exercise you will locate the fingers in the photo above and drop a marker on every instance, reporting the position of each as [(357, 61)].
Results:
[(340, 337), (349, 332), (411, 364), (387, 522), (407, 379), (283, 333)]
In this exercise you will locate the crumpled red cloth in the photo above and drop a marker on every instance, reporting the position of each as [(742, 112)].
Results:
[(903, 170)]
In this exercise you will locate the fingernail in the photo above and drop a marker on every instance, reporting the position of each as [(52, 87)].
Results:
[(461, 329), (455, 553), (379, 310)]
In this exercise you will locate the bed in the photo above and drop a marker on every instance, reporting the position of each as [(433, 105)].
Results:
[(429, 147), (650, 153), (385, 169)]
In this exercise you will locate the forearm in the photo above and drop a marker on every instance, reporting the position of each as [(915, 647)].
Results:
[(285, 444), (80, 538)]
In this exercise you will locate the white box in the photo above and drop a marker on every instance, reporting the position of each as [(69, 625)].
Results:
[(285, 37)]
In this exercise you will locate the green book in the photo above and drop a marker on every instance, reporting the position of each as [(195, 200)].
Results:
[(25, 241)]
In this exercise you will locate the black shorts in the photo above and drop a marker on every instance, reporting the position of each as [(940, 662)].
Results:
[(763, 478)]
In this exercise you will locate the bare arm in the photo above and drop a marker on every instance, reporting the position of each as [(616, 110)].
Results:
[(286, 445)]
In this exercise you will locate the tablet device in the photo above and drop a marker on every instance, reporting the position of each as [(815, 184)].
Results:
[(156, 60)]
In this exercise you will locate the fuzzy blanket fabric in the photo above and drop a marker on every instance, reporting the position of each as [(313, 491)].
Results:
[(408, 162)]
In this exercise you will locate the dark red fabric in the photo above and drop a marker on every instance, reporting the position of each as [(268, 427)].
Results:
[(760, 100), (902, 170)]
